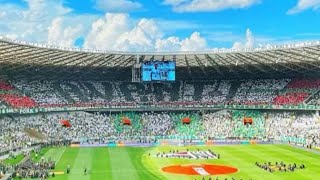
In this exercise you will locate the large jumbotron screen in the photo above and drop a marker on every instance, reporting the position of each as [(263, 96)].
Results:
[(158, 71)]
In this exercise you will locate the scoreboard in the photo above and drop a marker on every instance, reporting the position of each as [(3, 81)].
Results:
[(158, 71)]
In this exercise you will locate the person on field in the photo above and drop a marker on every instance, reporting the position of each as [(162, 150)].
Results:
[(68, 169)]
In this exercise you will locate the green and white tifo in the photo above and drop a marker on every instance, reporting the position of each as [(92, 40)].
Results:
[(142, 163)]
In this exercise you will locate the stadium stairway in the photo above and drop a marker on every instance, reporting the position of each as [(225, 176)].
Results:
[(34, 134), (316, 93)]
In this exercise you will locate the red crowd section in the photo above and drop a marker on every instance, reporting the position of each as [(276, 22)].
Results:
[(297, 92), (9, 96), (5, 86), (293, 98), (299, 84), (18, 101)]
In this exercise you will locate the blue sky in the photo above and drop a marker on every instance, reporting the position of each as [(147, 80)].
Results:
[(160, 25)]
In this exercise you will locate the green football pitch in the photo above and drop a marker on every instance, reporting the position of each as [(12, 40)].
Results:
[(135, 163)]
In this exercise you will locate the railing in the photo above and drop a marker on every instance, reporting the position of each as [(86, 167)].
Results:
[(170, 107)]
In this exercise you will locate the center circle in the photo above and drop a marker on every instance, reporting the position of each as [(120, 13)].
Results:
[(200, 169)]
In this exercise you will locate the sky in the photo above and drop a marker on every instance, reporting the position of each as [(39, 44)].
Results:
[(160, 25)]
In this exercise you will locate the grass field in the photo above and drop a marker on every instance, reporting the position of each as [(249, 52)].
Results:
[(135, 163), (13, 161)]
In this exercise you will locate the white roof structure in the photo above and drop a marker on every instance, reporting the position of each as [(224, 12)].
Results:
[(287, 60)]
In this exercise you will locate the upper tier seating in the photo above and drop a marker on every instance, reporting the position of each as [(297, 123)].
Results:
[(51, 93), (28, 94), (257, 92), (5, 86), (315, 100), (12, 97), (296, 92), (3, 105)]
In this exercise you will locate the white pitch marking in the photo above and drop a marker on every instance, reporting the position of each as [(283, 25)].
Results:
[(201, 171)]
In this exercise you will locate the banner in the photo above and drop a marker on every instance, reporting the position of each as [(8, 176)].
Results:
[(155, 107), (186, 120)]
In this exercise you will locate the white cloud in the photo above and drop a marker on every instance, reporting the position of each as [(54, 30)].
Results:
[(62, 36), (117, 32), (304, 5), (117, 5), (141, 38), (193, 43), (106, 31), (174, 2), (208, 5), (248, 44), (31, 23), (42, 21), (51, 22), (169, 44)]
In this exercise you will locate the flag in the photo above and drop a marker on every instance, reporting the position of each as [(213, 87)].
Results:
[(65, 123)]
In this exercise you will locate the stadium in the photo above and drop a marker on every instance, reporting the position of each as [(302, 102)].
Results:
[(76, 113), (231, 114)]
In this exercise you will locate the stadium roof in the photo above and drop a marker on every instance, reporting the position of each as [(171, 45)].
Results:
[(20, 60)]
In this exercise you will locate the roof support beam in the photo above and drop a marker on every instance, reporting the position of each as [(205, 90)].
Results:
[(286, 56), (244, 58), (214, 64), (254, 58), (104, 60), (187, 62), (271, 59), (223, 60), (126, 61), (200, 64), (107, 60)]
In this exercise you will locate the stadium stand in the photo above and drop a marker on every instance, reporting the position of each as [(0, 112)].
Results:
[(22, 94), (29, 94), (255, 92), (90, 128), (315, 100), (297, 91), (193, 130), (256, 129), (217, 97)]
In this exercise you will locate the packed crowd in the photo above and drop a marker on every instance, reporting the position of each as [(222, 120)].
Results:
[(297, 92), (294, 127), (253, 92), (315, 100), (4, 169), (28, 94), (34, 170), (23, 130)]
